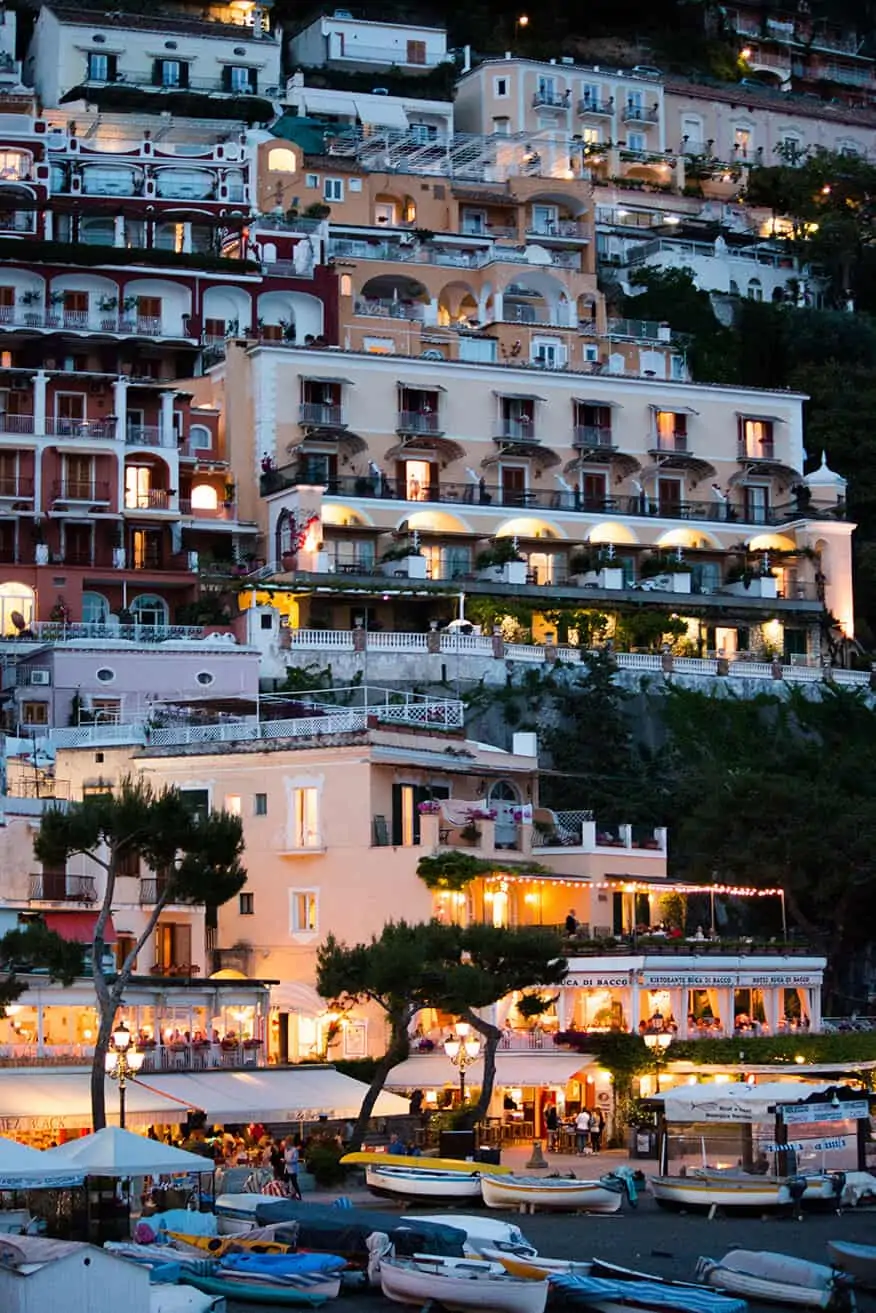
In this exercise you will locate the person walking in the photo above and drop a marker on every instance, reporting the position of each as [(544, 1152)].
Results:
[(277, 1160), (582, 1130), (292, 1160), (597, 1126)]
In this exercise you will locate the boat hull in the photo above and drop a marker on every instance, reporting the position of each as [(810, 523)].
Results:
[(255, 1293), (859, 1261), (553, 1195), (366, 1158), (697, 1192), (461, 1285), (423, 1183), (771, 1278)]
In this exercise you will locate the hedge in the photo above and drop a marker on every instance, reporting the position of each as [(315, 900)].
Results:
[(79, 253)]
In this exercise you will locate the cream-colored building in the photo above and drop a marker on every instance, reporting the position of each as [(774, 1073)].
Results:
[(588, 476), (340, 803)]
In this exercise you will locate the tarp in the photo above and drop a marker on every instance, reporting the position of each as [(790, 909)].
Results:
[(118, 1153), (735, 1102), (35, 1098), (346, 1230), (274, 1094), (432, 1071)]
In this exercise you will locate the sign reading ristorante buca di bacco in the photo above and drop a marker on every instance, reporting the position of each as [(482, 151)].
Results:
[(729, 979)]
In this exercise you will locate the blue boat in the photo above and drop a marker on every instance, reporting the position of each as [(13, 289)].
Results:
[(610, 1296)]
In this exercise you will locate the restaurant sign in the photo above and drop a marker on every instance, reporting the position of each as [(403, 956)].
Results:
[(727, 979), (593, 980), (805, 1113)]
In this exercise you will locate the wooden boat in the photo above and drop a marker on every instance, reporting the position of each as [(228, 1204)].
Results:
[(423, 1183), (254, 1293), (483, 1232), (460, 1284), (537, 1268), (859, 1261), (722, 1191), (370, 1158), (818, 1187), (774, 1279), (551, 1193), (615, 1296)]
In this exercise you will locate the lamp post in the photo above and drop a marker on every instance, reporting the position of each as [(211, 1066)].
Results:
[(658, 1042), (122, 1062), (462, 1049), (520, 22)]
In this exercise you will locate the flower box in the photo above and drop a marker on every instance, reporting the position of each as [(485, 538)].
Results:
[(408, 567), (512, 572), (609, 576), (758, 587)]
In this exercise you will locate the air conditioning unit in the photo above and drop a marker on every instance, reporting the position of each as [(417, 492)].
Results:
[(40, 677)]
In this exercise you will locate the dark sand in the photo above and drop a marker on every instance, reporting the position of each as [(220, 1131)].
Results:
[(666, 1244)]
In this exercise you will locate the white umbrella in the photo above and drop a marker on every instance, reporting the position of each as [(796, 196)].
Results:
[(118, 1153)]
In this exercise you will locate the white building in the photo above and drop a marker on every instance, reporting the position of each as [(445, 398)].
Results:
[(230, 54), (339, 40), (425, 120)]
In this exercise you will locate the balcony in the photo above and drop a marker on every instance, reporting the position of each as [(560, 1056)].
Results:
[(410, 421), (599, 108), (62, 889), (59, 427), (314, 414), (516, 313), (547, 98), (764, 450), (17, 488), (640, 114), (148, 435), (372, 308), (153, 499), (669, 444), (187, 1055), (16, 424), (639, 330), (87, 493), (570, 228), (514, 430), (226, 511), (591, 437), (151, 889)]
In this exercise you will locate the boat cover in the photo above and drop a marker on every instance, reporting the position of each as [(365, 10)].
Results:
[(644, 1294), (281, 1267), (346, 1230), (778, 1267)]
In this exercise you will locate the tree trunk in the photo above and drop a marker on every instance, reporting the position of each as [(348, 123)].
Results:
[(397, 1050), (491, 1036), (107, 1011)]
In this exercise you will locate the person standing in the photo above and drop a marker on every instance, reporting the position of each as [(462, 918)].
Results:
[(551, 1125), (597, 1126), (582, 1130), (292, 1160), (571, 923)]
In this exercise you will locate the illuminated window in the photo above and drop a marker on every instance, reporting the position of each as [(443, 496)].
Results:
[(232, 803), (303, 911), (281, 160), (204, 498), (346, 285), (305, 818), (137, 483)]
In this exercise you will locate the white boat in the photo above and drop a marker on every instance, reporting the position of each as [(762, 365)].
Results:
[(460, 1284), (774, 1278), (422, 1183), (183, 1299), (236, 1213), (551, 1192), (720, 1191), (536, 1268), (484, 1233), (859, 1261)]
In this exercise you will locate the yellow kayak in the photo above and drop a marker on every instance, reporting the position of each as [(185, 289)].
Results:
[(217, 1245), (367, 1158)]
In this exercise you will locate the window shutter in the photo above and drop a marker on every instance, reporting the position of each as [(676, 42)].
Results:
[(397, 815)]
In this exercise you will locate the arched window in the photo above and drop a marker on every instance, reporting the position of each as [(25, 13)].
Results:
[(504, 800), (148, 609), (95, 609), (734, 287), (346, 285), (282, 160), (755, 289), (200, 438), (16, 608), (204, 498)]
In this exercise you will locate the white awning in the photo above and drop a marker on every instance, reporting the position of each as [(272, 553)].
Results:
[(433, 1071), (297, 996), (381, 111), (737, 1102), (325, 101), (42, 1099), (274, 1095), (765, 419), (673, 410)]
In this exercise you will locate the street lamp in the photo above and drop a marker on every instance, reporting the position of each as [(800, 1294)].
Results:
[(122, 1062), (658, 1042), (522, 21), (462, 1049)]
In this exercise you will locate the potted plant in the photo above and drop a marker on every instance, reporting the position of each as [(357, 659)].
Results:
[(751, 581), (229, 496), (501, 562), (597, 567), (404, 559), (670, 573), (470, 832)]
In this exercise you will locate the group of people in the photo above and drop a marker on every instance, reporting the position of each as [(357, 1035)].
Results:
[(588, 1127)]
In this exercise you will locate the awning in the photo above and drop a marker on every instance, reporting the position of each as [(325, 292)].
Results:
[(624, 463), (420, 387), (673, 410), (33, 1098), (545, 457), (381, 112), (78, 926), (324, 436), (765, 419), (426, 442), (274, 1095), (516, 396), (434, 1071), (680, 460), (324, 101), (297, 996), (764, 469), (737, 1102), (597, 401), (326, 378)]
